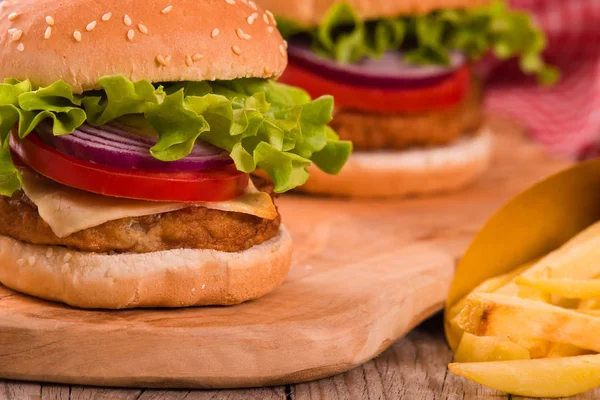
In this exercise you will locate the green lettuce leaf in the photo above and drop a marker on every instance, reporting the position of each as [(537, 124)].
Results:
[(334, 149), (262, 124), (428, 39), (10, 178)]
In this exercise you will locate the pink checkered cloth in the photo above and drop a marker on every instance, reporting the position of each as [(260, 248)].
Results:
[(566, 117)]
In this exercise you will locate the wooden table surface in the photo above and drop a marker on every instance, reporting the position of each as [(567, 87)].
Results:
[(413, 369)]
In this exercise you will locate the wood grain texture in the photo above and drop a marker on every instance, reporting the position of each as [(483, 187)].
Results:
[(84, 393), (364, 274), (20, 390), (414, 368), (55, 392), (290, 336)]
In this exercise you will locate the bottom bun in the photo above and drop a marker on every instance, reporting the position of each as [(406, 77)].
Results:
[(416, 172), (175, 278)]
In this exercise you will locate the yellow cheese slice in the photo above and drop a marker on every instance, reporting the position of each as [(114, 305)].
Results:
[(67, 210)]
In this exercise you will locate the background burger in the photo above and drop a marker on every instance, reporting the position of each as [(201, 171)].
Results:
[(401, 74), (128, 133)]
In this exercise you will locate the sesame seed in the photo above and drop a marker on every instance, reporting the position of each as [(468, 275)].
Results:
[(203, 286), (90, 26), (271, 29), (285, 44), (168, 59), (215, 32), (49, 253), (130, 34), (268, 70), (48, 32), (266, 19), (242, 35), (127, 20), (282, 50), (106, 17), (67, 257), (252, 18), (12, 30), (271, 17), (232, 2), (197, 57), (252, 5), (16, 35), (189, 61), (167, 9), (161, 60), (31, 260), (143, 29), (20, 262), (13, 16), (77, 35), (21, 47), (49, 20), (236, 50)]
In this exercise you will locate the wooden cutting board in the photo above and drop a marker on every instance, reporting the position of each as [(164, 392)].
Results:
[(364, 274)]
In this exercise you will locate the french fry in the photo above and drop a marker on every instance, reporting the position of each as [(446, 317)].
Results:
[(550, 310), (590, 307), (555, 377), (489, 286), (575, 260), (572, 304), (537, 348), (497, 315), (589, 233), (558, 350), (594, 313), (580, 250), (589, 304), (488, 348), (569, 288), (504, 283)]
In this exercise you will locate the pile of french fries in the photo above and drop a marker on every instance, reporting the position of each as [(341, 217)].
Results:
[(535, 331)]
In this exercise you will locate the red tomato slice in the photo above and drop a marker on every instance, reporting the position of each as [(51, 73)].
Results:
[(221, 185), (446, 94)]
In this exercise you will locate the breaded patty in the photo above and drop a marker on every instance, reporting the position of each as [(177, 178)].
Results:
[(190, 228), (369, 131)]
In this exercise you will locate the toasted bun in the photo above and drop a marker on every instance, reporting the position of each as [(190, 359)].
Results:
[(311, 12), (176, 278), (158, 40), (407, 173)]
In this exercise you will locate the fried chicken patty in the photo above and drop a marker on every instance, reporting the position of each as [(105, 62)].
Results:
[(190, 228), (369, 131)]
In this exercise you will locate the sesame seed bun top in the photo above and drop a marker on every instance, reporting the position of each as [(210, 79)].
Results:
[(311, 12), (80, 41)]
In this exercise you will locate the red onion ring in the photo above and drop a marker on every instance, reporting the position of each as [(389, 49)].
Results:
[(388, 72), (111, 146)]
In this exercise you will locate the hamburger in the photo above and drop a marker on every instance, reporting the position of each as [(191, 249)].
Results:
[(402, 75), (130, 133)]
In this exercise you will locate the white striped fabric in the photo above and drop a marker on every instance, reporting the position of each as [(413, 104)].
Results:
[(566, 117)]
